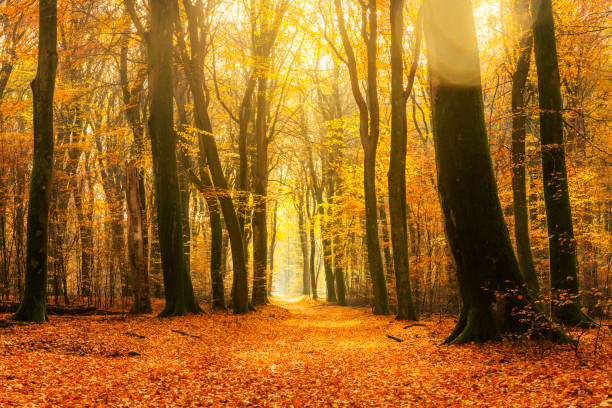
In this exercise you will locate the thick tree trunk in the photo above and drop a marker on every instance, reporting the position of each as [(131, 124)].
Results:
[(519, 133), (32, 307), (177, 283), (475, 226), (397, 164), (561, 241)]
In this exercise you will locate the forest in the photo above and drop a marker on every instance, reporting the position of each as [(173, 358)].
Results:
[(322, 203)]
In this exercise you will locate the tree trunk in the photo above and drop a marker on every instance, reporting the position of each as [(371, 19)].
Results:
[(561, 241), (519, 133), (311, 261), (474, 223), (136, 247), (326, 243), (32, 307), (306, 287), (260, 211), (209, 156), (397, 163), (177, 283), (272, 245)]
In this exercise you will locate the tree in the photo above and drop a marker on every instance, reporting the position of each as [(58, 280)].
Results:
[(208, 152), (136, 210), (487, 269), (369, 127), (519, 133), (33, 304), (397, 163), (561, 241), (177, 282), (270, 18)]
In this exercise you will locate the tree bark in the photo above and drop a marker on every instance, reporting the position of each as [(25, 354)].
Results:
[(136, 247), (32, 307)]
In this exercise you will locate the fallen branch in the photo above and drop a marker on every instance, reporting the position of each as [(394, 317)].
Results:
[(394, 338), (139, 336), (415, 324), (185, 333)]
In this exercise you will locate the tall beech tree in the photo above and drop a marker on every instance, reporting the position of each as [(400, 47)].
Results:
[(369, 128), (210, 162), (519, 133), (267, 19), (397, 163), (561, 241), (33, 305), (475, 228), (177, 282)]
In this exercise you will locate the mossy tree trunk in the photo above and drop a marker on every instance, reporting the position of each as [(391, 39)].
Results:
[(474, 223), (561, 241), (177, 282), (32, 307)]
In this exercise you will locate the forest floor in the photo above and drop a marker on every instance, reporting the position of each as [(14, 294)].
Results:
[(292, 353)]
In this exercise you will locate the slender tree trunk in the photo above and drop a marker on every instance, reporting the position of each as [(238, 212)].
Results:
[(32, 307), (397, 163), (561, 241), (209, 157), (369, 141), (311, 261), (177, 283), (326, 244), (272, 245), (519, 133), (260, 211), (304, 248)]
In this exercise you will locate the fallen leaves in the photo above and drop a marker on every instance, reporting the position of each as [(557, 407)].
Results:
[(300, 354)]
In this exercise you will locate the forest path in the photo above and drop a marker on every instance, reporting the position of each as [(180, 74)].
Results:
[(295, 352)]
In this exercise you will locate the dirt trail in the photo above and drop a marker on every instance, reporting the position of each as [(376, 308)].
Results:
[(295, 352)]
